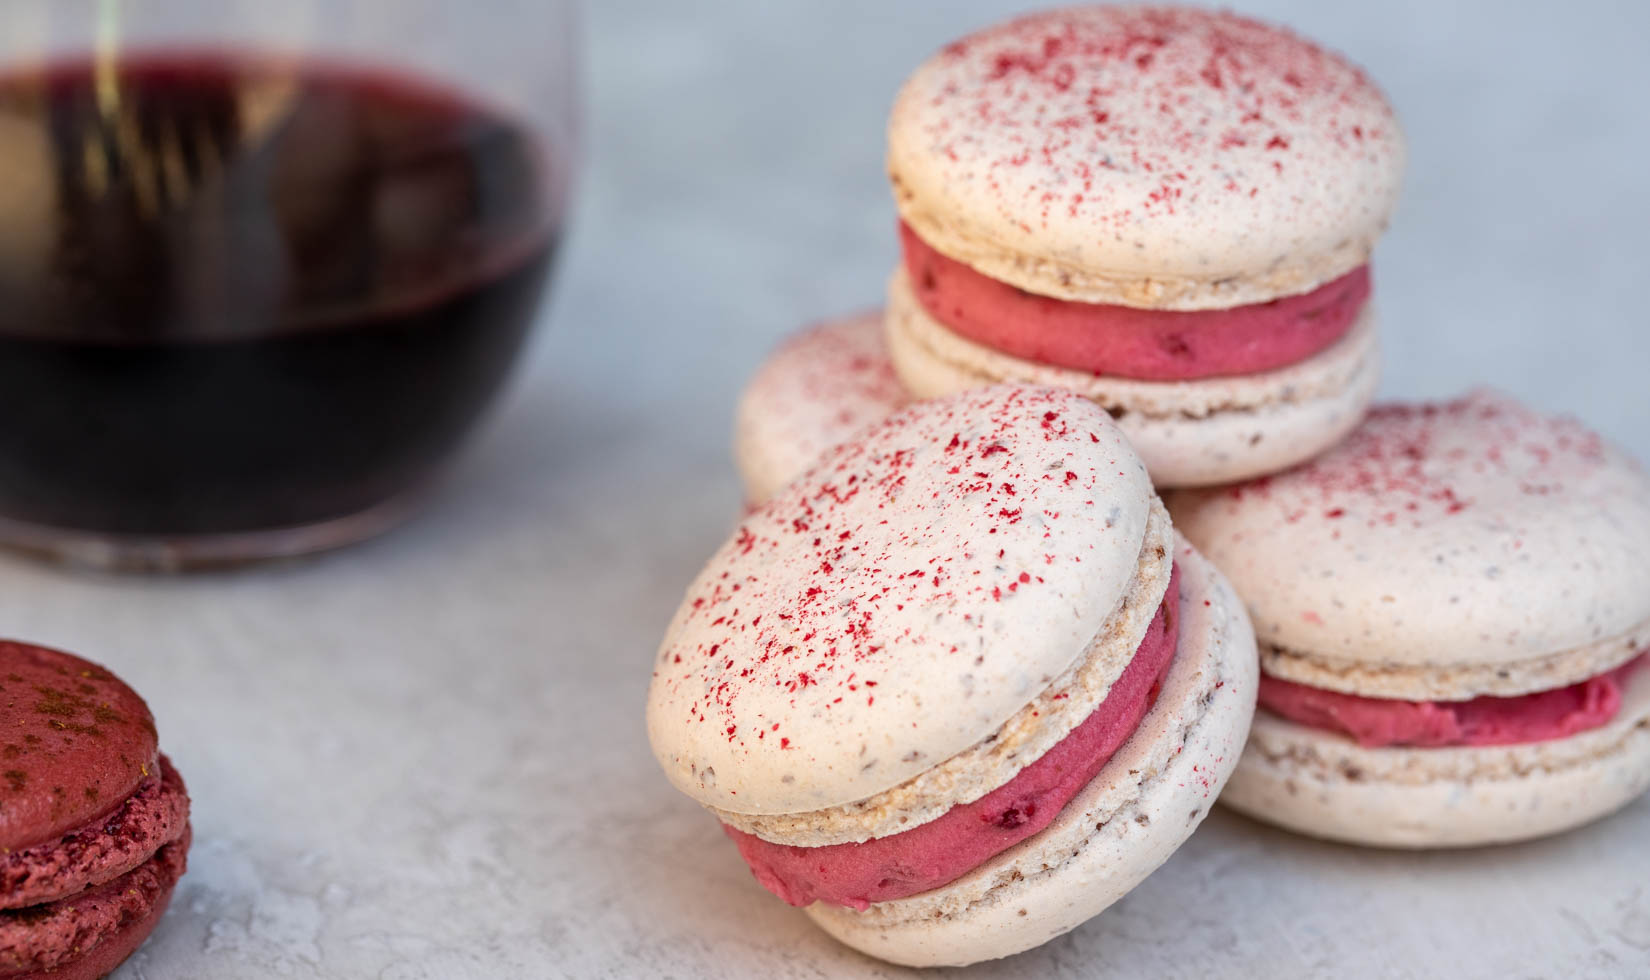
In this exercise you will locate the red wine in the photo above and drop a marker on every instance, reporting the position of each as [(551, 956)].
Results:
[(240, 294)]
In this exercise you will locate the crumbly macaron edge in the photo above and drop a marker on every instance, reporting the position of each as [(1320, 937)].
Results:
[(109, 841), (1455, 682)]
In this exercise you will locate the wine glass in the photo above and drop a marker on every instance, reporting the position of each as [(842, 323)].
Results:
[(263, 265)]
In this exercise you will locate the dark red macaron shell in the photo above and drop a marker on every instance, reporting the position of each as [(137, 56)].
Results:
[(75, 744)]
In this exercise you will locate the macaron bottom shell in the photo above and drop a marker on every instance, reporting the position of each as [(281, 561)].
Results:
[(99, 927), (1131, 818), (107, 957), (1325, 785)]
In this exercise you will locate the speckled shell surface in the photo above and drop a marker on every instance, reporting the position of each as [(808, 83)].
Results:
[(1157, 157), (1131, 818), (899, 602), (1452, 537), (821, 386)]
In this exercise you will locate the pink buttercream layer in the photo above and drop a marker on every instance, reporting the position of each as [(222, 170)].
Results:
[(966, 836), (1121, 341), (1378, 722)]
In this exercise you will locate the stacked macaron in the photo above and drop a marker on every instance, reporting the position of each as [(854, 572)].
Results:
[(1170, 210), (1453, 618), (94, 821), (957, 688)]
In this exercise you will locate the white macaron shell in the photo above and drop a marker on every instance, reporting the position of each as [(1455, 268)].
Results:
[(899, 602), (1460, 534), (1161, 157)]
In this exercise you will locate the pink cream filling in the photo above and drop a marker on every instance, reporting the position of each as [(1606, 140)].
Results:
[(1378, 722), (1121, 341), (966, 836)]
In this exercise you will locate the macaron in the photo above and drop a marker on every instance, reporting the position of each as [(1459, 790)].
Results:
[(820, 387), (94, 821), (1170, 210), (1452, 614), (958, 687)]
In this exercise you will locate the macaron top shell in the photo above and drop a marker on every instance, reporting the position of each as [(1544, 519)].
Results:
[(899, 602), (75, 742), (1465, 533), (1160, 157)]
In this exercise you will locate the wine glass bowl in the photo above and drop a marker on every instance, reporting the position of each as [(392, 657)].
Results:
[(263, 267)]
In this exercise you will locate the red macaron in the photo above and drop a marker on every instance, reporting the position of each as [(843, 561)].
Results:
[(94, 821)]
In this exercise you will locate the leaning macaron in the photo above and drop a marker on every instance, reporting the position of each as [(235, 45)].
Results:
[(1169, 210), (820, 387), (94, 821), (957, 688), (1452, 616)]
